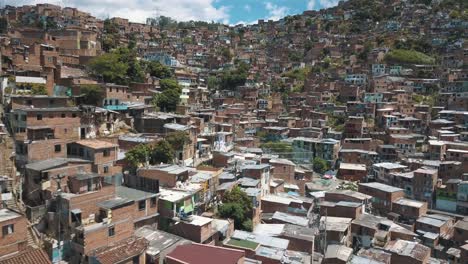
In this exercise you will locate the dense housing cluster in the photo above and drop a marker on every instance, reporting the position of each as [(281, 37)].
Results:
[(333, 136)]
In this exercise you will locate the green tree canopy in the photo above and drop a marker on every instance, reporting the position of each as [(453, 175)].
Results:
[(237, 206), (169, 84), (236, 195), (138, 155), (230, 79), (178, 139), (110, 39), (167, 101), (156, 69), (162, 152), (119, 66), (233, 211), (169, 98), (109, 67), (408, 56), (320, 165), (92, 94)]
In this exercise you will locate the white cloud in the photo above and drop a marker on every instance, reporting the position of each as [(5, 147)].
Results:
[(318, 4), (139, 10), (276, 12), (244, 22), (328, 3), (247, 8)]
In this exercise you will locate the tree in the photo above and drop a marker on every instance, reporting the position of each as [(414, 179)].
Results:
[(167, 100), (111, 38), (109, 67), (233, 211), (128, 56), (92, 94), (247, 225), (178, 139), (237, 206), (236, 195), (408, 56), (170, 96), (232, 78), (162, 152), (212, 83), (138, 155), (169, 84), (320, 165), (225, 53), (120, 66), (156, 69)]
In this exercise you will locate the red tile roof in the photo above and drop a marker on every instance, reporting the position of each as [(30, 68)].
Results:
[(28, 256), (120, 251), (205, 254)]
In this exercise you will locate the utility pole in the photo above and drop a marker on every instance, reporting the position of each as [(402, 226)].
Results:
[(58, 179)]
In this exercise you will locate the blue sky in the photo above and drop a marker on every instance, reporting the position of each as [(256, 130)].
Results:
[(249, 11), (225, 11)]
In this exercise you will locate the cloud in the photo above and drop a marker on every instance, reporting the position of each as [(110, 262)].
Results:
[(248, 8), (328, 3), (276, 12), (244, 22), (139, 10), (318, 4)]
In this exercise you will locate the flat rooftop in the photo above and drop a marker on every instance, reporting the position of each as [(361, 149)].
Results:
[(409, 202), (261, 239), (96, 144), (6, 214), (291, 219), (172, 195), (352, 166), (381, 187)]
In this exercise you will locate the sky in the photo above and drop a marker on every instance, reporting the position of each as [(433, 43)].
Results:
[(225, 11)]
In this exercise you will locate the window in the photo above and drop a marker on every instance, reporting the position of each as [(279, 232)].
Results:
[(106, 153), (39, 117), (63, 115), (23, 117), (153, 202), (74, 115), (111, 231), (142, 205), (8, 229), (58, 148), (136, 260), (106, 169)]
